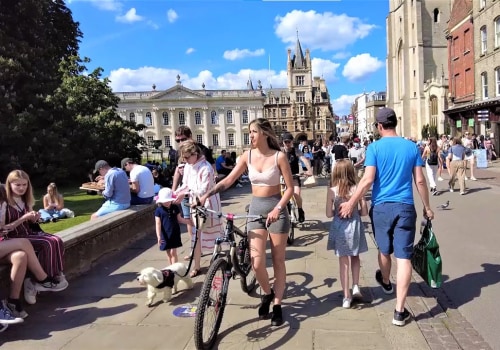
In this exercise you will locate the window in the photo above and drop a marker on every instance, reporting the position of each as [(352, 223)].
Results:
[(484, 85), (182, 118), (318, 98), (482, 4), (197, 118), (301, 110), (301, 96), (229, 117), (484, 46), (283, 99), (244, 116), (274, 112), (246, 138), (467, 40), (132, 117), (497, 81), (230, 140), (456, 50), (167, 142), (215, 139), (433, 106), (283, 112), (199, 139), (150, 140), (214, 118), (166, 121), (497, 32), (148, 120), (299, 80)]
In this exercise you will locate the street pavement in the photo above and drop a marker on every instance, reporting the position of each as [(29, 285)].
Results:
[(105, 309)]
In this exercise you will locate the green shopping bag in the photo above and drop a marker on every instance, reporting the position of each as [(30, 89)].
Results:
[(426, 260)]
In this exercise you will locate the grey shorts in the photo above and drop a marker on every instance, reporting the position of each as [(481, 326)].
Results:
[(262, 206)]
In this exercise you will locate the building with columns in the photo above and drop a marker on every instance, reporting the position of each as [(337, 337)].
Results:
[(417, 66), (302, 108), (217, 118)]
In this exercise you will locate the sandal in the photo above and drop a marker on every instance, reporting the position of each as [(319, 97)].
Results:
[(187, 258), (194, 273)]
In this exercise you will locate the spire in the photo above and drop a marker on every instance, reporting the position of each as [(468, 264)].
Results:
[(298, 59), (249, 84)]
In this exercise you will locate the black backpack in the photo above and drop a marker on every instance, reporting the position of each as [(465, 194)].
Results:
[(433, 158)]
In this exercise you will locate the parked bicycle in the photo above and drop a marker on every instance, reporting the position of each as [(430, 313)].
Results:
[(293, 210), (224, 266)]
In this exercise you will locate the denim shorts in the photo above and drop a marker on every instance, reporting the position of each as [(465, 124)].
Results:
[(186, 208), (110, 206), (394, 226)]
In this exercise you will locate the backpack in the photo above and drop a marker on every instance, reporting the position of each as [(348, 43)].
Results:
[(433, 158)]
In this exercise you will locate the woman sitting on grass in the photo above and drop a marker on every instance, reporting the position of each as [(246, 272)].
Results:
[(53, 206)]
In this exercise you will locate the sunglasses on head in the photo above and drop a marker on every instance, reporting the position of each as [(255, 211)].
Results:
[(181, 140)]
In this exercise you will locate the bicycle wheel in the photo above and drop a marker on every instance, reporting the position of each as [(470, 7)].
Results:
[(211, 305), (248, 279)]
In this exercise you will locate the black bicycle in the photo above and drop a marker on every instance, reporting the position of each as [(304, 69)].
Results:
[(224, 266)]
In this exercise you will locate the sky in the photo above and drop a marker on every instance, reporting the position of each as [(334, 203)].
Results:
[(223, 43)]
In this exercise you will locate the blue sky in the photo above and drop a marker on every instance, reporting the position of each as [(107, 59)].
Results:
[(223, 43)]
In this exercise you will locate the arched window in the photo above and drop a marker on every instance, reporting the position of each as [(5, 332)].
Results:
[(484, 39), (148, 119), (214, 118), (132, 117), (182, 119), (229, 117), (197, 118), (433, 110), (166, 120)]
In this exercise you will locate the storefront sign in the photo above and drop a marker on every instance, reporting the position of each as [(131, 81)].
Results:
[(459, 123), (471, 122)]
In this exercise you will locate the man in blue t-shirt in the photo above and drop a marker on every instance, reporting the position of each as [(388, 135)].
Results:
[(392, 164)]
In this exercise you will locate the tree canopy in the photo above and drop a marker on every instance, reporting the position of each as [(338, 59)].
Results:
[(56, 118)]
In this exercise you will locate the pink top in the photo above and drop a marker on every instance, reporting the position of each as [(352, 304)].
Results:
[(268, 177)]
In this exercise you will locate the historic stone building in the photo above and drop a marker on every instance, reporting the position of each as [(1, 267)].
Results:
[(417, 67), (217, 118), (474, 46), (365, 109), (302, 108)]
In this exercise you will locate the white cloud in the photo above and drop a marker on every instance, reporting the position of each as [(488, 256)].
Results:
[(107, 5), (324, 68), (239, 54), (153, 24), (341, 55), (190, 51), (172, 16), (342, 105), (361, 66), (130, 17), (141, 79), (324, 31)]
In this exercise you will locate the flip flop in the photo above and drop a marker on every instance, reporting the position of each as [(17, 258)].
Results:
[(194, 273)]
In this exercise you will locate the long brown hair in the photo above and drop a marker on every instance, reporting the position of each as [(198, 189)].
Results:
[(28, 197), (343, 176), (265, 126), (433, 145)]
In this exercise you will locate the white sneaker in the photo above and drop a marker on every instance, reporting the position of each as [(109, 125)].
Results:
[(29, 291), (346, 303), (473, 178), (356, 292), (51, 286), (70, 214), (440, 179), (466, 178)]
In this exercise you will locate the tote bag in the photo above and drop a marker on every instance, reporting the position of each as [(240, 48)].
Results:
[(426, 260)]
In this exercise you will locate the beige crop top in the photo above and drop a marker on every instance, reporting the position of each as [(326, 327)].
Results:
[(269, 177)]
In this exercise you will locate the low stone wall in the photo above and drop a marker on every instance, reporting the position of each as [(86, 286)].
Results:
[(87, 242)]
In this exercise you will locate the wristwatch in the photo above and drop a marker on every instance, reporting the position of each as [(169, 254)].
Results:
[(279, 207)]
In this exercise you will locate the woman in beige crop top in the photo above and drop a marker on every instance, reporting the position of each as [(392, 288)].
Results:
[(265, 164)]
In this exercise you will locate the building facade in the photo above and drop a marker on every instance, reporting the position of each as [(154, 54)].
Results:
[(365, 109), (479, 112), (417, 67), (302, 108), (217, 118)]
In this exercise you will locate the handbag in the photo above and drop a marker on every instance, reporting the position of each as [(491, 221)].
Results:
[(310, 182), (426, 259)]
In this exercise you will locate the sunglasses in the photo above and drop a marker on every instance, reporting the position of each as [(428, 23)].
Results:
[(181, 140)]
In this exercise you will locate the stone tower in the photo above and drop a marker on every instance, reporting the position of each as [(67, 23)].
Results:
[(417, 67)]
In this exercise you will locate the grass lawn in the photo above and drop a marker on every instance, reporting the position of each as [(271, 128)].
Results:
[(74, 199)]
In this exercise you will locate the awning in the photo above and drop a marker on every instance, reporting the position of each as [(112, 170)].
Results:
[(493, 102)]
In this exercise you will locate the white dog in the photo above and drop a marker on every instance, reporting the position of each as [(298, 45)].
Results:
[(164, 280)]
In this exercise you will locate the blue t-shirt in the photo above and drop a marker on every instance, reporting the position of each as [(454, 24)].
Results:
[(394, 159), (116, 187), (218, 162)]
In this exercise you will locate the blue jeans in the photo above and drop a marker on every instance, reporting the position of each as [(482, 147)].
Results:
[(136, 200), (394, 226), (47, 215), (111, 206)]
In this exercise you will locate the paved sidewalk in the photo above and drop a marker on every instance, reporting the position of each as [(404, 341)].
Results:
[(105, 309)]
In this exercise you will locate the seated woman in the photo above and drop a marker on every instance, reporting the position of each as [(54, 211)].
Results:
[(20, 217), (20, 254), (53, 206)]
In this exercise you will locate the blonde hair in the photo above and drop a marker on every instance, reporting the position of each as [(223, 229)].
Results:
[(265, 126), (27, 197), (52, 192), (343, 176), (189, 147)]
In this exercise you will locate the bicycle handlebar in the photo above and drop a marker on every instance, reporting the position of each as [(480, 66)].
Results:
[(228, 216)]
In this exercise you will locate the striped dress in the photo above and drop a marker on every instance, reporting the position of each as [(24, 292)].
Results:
[(49, 248), (200, 178)]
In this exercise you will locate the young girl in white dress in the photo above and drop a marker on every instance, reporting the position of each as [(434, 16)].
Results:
[(346, 236)]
